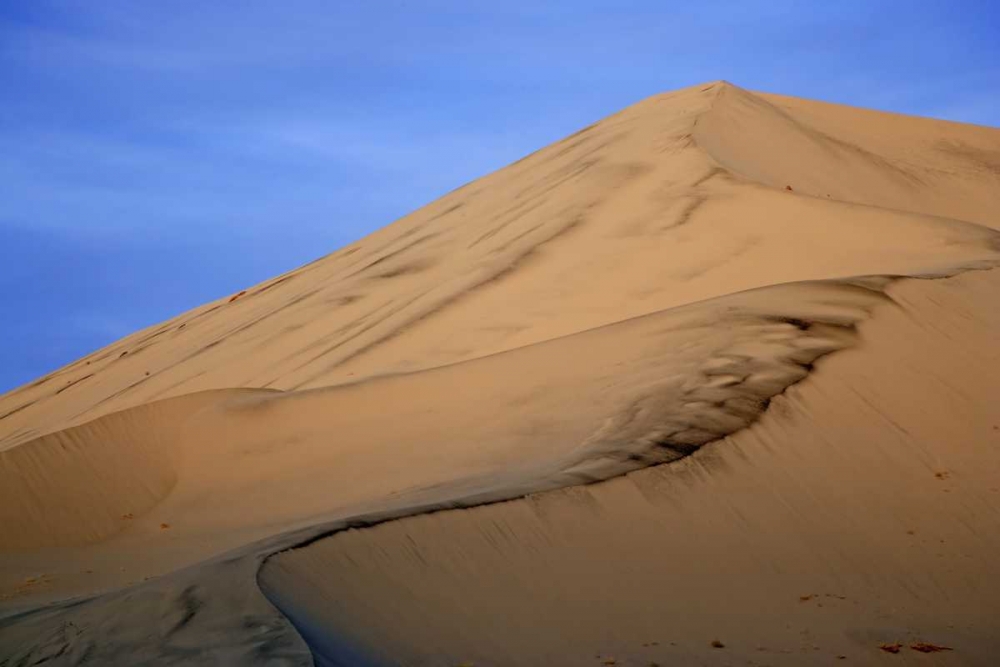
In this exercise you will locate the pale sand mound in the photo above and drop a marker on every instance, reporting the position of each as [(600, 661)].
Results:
[(613, 302)]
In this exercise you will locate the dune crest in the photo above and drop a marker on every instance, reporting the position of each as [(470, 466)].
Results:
[(602, 309)]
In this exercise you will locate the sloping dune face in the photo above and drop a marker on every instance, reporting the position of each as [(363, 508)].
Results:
[(712, 381)]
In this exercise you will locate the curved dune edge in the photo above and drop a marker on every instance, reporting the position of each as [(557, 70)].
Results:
[(816, 501), (855, 157)]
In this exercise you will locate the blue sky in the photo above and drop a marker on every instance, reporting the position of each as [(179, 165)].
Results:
[(157, 155)]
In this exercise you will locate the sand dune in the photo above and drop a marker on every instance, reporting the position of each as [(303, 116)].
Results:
[(718, 367)]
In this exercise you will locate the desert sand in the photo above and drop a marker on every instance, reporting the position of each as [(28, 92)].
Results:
[(713, 381)]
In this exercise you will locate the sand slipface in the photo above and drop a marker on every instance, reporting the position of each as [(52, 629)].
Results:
[(711, 381)]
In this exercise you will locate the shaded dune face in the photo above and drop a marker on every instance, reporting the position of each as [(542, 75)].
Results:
[(557, 416)]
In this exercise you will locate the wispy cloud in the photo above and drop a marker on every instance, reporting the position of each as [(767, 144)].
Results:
[(221, 142)]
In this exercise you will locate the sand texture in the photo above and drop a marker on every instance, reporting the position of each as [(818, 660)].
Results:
[(713, 381)]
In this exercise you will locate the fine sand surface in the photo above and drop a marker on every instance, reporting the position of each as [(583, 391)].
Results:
[(722, 368)]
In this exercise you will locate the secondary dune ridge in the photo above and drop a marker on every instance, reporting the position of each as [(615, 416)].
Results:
[(599, 310)]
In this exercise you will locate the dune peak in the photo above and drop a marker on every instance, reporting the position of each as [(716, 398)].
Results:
[(717, 358)]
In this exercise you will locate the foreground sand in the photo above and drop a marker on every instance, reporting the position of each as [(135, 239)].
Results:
[(770, 324)]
